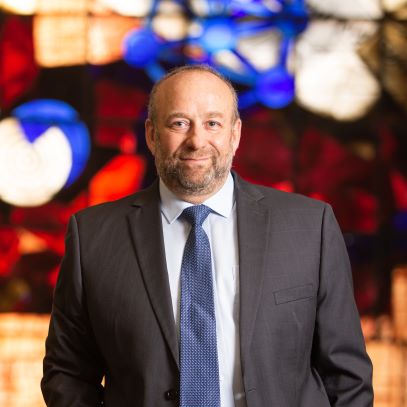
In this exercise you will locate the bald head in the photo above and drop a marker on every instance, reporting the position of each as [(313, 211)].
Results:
[(152, 103)]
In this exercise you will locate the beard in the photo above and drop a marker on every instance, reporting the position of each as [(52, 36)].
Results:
[(194, 181)]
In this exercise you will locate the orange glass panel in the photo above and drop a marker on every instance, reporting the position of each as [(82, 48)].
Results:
[(120, 177), (22, 339), (25, 7), (106, 36), (62, 7), (389, 373), (399, 302), (60, 40)]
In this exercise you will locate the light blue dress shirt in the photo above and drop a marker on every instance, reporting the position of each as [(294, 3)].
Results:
[(221, 228)]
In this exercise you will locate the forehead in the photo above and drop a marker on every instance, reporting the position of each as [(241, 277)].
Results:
[(195, 91)]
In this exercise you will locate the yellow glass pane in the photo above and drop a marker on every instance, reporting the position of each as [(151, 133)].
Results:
[(133, 8), (389, 373), (22, 338), (331, 78), (393, 6), (399, 302), (361, 9), (62, 6), (60, 40), (106, 37), (25, 7), (262, 50), (172, 27)]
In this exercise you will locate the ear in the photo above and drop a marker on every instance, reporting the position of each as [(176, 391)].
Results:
[(150, 135), (236, 130)]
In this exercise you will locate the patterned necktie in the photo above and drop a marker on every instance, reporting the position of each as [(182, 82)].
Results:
[(199, 356)]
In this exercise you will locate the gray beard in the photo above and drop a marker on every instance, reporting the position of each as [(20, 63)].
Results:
[(178, 179)]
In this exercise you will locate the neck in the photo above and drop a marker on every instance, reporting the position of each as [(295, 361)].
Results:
[(195, 197)]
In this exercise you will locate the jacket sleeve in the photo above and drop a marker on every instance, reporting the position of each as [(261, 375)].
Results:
[(73, 367), (339, 352)]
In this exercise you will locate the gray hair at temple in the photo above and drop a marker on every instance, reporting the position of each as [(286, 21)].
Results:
[(152, 113)]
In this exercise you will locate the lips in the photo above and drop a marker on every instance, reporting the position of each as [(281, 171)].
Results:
[(194, 158)]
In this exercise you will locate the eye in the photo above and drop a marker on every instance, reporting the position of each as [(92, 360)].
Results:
[(179, 124), (213, 124)]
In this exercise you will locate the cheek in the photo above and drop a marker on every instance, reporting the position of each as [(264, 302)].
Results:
[(173, 141), (225, 145), (167, 145)]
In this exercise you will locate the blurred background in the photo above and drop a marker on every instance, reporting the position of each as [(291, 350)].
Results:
[(323, 96)]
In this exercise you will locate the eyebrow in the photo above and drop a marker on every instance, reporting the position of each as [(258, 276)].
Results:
[(177, 114), (215, 114), (185, 116)]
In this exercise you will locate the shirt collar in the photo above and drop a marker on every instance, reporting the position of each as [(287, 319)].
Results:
[(221, 202)]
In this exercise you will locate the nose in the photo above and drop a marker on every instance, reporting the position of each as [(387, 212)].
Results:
[(196, 138)]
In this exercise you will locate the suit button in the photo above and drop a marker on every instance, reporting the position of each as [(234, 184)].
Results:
[(171, 394)]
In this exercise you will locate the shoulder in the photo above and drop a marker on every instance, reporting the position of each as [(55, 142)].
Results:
[(114, 210), (276, 199), (286, 210)]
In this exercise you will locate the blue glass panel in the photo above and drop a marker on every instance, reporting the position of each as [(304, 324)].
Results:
[(141, 47), (38, 116)]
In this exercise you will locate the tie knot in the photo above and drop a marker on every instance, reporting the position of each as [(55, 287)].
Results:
[(196, 215)]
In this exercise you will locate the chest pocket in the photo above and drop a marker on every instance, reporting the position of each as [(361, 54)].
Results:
[(294, 294)]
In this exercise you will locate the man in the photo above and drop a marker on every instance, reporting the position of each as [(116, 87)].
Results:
[(269, 319)]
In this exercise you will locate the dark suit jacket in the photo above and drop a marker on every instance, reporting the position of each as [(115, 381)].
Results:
[(301, 342)]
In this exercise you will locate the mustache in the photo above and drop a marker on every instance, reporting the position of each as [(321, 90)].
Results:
[(195, 155)]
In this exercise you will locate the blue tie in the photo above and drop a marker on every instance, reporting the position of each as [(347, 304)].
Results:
[(199, 357)]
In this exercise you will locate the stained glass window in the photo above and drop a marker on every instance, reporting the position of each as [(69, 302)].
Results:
[(322, 92)]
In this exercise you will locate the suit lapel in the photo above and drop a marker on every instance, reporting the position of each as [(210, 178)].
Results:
[(146, 230), (252, 221)]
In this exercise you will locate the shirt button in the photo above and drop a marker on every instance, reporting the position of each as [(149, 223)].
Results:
[(171, 394)]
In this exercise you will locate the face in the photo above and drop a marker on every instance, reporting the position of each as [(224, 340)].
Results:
[(194, 136)]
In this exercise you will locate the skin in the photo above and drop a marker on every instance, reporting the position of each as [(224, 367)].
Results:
[(194, 136)]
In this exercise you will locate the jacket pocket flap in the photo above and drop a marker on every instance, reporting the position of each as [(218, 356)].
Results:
[(294, 293)]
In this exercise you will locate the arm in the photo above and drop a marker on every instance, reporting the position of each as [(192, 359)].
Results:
[(73, 368), (339, 353)]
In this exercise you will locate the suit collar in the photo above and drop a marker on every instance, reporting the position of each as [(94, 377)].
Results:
[(221, 203)]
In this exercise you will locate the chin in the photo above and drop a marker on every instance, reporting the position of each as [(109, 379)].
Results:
[(197, 182)]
